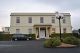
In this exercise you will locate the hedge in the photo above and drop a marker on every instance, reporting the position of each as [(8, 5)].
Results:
[(5, 37), (63, 35), (53, 42), (71, 40), (32, 36), (8, 37)]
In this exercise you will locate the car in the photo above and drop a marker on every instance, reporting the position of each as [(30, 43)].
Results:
[(18, 37)]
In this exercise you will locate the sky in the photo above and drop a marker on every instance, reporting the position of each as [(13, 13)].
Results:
[(62, 6)]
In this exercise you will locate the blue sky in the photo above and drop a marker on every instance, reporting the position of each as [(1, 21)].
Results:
[(70, 6)]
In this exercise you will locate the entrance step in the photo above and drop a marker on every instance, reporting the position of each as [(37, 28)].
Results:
[(42, 39)]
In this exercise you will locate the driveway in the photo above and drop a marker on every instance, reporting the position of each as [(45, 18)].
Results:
[(32, 47)]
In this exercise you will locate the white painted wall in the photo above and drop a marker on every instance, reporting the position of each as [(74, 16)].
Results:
[(24, 25)]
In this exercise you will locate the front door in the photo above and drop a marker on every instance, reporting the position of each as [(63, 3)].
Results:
[(42, 34)]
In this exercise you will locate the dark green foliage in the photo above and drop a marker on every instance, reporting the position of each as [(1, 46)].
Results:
[(63, 35), (31, 36), (56, 42), (5, 37), (52, 42), (79, 30), (48, 43), (71, 40)]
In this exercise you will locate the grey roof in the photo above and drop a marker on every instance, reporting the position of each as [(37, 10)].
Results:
[(36, 14)]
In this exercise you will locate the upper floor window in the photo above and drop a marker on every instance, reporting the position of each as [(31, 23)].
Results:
[(18, 31), (17, 19), (53, 19), (64, 21), (8, 29), (30, 20), (30, 31), (41, 20), (64, 30)]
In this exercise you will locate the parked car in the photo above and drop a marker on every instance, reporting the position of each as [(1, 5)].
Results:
[(18, 37)]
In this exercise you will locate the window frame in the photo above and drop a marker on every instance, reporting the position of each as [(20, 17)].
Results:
[(29, 19), (53, 19), (17, 19), (64, 30), (41, 19), (18, 31), (64, 20), (30, 31)]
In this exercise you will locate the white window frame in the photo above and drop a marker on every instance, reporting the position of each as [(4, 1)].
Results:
[(17, 31), (29, 19), (53, 19), (41, 19), (30, 31), (17, 19)]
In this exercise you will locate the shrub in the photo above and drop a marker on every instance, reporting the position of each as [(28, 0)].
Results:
[(52, 42), (48, 43), (5, 37), (31, 36), (56, 42), (71, 40)]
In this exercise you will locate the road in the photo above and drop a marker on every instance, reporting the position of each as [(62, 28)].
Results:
[(35, 46)]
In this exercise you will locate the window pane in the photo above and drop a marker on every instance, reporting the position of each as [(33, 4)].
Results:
[(64, 30), (41, 20), (30, 20), (17, 31), (30, 31), (64, 21), (17, 19), (53, 19), (53, 29)]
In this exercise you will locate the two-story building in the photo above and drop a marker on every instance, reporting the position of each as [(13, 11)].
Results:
[(41, 24)]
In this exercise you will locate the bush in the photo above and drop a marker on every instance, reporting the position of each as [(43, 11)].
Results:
[(52, 42), (63, 35), (31, 36), (5, 37), (48, 43), (71, 40), (56, 42)]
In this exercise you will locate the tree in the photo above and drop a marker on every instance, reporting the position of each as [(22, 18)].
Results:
[(79, 30)]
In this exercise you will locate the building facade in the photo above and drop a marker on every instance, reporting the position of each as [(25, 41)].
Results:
[(41, 24), (6, 30)]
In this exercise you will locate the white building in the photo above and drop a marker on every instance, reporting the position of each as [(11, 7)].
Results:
[(6, 30), (41, 24)]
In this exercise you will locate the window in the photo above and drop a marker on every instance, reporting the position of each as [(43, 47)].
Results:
[(17, 19), (30, 31), (64, 21), (8, 29), (30, 20), (64, 30), (41, 20), (53, 29), (18, 31), (53, 19)]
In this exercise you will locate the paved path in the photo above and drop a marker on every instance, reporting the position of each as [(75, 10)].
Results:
[(32, 47)]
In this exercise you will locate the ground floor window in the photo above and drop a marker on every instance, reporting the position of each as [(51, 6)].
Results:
[(53, 29), (30, 31), (18, 31), (64, 30)]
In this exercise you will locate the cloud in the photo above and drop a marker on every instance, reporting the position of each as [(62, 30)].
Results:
[(8, 6)]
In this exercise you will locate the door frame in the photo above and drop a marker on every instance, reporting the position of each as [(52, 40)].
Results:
[(41, 34)]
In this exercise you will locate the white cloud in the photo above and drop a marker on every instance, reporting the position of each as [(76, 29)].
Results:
[(8, 6)]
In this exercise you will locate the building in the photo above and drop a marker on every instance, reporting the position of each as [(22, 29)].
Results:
[(41, 24), (6, 30)]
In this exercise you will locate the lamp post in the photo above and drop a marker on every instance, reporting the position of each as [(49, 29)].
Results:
[(59, 16)]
